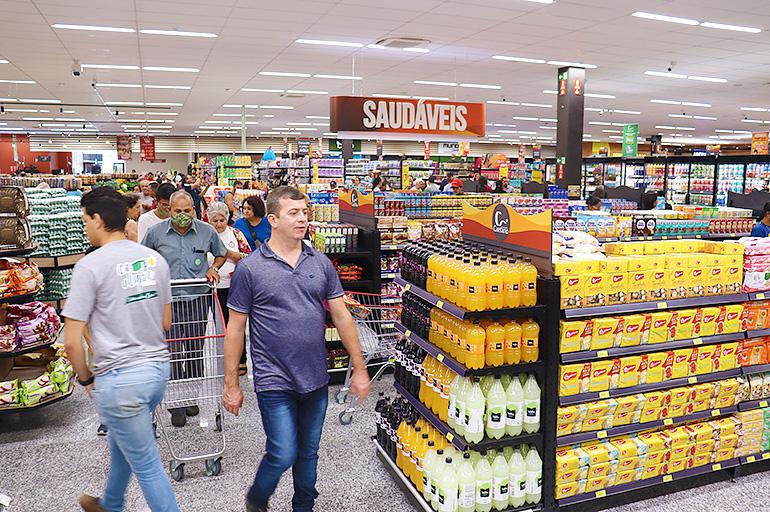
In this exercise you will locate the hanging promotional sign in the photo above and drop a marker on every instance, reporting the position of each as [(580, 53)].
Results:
[(426, 150), (536, 151), (360, 117), (713, 149), (759, 143), (454, 148), (522, 154), (147, 148), (503, 171), (357, 207), (303, 147), (123, 146), (630, 140)]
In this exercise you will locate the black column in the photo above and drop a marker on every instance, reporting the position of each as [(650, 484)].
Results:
[(569, 134)]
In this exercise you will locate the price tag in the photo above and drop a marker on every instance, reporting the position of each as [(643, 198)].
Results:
[(678, 237), (693, 380), (715, 412), (716, 467), (765, 456), (440, 357), (407, 287), (628, 239), (668, 422), (601, 494), (602, 353), (763, 403), (664, 237), (601, 434), (408, 333), (604, 394), (440, 304), (697, 341), (662, 305), (750, 459), (450, 437), (760, 296), (667, 478)]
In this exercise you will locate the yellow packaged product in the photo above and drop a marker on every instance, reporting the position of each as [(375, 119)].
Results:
[(594, 484), (599, 452), (575, 335), (623, 248), (658, 284), (700, 431), (677, 410), (656, 368), (649, 415), (624, 477), (696, 282), (625, 418), (706, 359), (681, 395), (629, 371), (636, 329), (700, 459), (569, 414), (676, 261), (600, 375), (657, 457), (660, 322), (625, 447), (652, 471), (563, 268), (605, 331), (681, 365), (705, 446), (678, 281), (677, 465), (598, 470), (726, 426), (682, 452), (573, 291), (600, 409), (727, 387), (573, 378), (614, 264), (708, 321), (640, 263), (597, 289), (729, 358), (685, 324), (594, 424), (679, 436), (630, 463), (715, 283), (655, 441), (572, 475), (732, 279), (704, 391), (696, 259), (723, 454), (566, 490), (568, 459), (563, 429), (617, 288), (733, 319), (728, 441), (699, 406), (629, 403)]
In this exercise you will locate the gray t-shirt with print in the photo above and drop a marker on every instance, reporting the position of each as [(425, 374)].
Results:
[(120, 290)]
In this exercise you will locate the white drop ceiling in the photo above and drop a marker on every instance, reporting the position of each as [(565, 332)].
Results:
[(256, 36)]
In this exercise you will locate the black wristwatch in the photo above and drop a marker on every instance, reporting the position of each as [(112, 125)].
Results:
[(87, 382)]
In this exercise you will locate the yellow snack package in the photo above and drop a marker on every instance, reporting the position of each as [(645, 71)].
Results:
[(597, 288), (681, 395), (729, 358), (573, 378), (656, 367), (624, 477), (567, 459), (733, 318), (703, 392), (617, 287), (630, 463), (696, 282), (703, 447), (615, 264), (708, 321), (572, 475), (681, 364), (599, 452), (629, 403), (723, 454), (659, 326), (594, 484), (566, 490), (706, 359), (604, 332), (656, 400), (655, 441), (679, 278), (676, 261), (649, 415), (685, 324), (598, 409), (700, 459), (679, 437), (569, 267), (652, 471), (658, 284), (600, 375), (732, 279), (700, 432), (715, 281), (573, 291), (569, 414), (728, 441), (636, 330), (639, 285), (629, 371), (575, 335)]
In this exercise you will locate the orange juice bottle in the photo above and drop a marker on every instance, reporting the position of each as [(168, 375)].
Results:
[(460, 333), (433, 334), (455, 265), (495, 286), (414, 441), (530, 334), (476, 284), (401, 432), (512, 350), (529, 284), (430, 281), (494, 354), (475, 340), (461, 296), (512, 279)]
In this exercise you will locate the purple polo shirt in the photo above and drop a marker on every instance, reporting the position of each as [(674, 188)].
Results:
[(287, 318)]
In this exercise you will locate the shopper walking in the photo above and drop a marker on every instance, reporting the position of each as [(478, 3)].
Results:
[(254, 224), (134, 209), (122, 292), (237, 249), (184, 242), (281, 289), (234, 204), (159, 214), (148, 196)]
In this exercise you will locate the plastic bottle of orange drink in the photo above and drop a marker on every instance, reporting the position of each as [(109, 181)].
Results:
[(530, 335), (476, 284), (513, 335), (529, 284), (495, 286), (476, 341), (512, 281), (494, 354)]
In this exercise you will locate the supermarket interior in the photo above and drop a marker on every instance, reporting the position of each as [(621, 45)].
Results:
[(555, 250)]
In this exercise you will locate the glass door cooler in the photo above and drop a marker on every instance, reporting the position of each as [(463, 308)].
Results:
[(702, 179)]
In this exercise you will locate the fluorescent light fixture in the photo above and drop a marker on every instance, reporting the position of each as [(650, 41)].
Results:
[(329, 43), (143, 121), (94, 28), (519, 118), (550, 91), (600, 123), (130, 103), (27, 82), (299, 91), (178, 87), (416, 50), (664, 74), (612, 131), (125, 86), (268, 115), (754, 109), (37, 118), (571, 64), (539, 105), (548, 120), (217, 122), (230, 115), (3, 61), (252, 122), (70, 119), (163, 104), (108, 66), (8, 99), (480, 86), (508, 103), (603, 96), (708, 79), (320, 124), (270, 133), (662, 17), (377, 47), (432, 82), (736, 28), (248, 89), (175, 33), (548, 128), (630, 112), (666, 102), (38, 100), (686, 103), (434, 98), (299, 124), (316, 117), (508, 131), (397, 96), (519, 59), (694, 104), (276, 107), (339, 77), (157, 113), (165, 68), (284, 73), (705, 118), (752, 121), (683, 116), (684, 128), (593, 109)]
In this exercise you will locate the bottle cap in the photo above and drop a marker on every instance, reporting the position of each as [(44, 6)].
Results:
[(466, 455)]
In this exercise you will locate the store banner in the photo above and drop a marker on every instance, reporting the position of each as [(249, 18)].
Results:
[(303, 147), (759, 144), (360, 115), (464, 149), (600, 148), (630, 140), (713, 149), (147, 148), (503, 171), (336, 145), (448, 148), (404, 174), (426, 150), (123, 145)]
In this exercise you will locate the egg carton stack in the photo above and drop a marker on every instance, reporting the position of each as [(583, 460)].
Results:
[(56, 284), (56, 222)]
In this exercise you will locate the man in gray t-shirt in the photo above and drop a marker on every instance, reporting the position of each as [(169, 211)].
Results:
[(122, 291)]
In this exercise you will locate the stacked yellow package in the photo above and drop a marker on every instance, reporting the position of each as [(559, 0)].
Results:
[(752, 427)]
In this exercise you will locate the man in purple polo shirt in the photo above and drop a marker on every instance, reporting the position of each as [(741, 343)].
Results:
[(281, 288)]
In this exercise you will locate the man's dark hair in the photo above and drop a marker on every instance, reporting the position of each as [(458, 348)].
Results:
[(376, 182), (131, 199), (109, 204), (164, 191), (283, 192), (766, 209), (593, 201), (257, 205), (154, 186)]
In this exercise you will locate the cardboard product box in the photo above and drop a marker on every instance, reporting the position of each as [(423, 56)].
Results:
[(733, 319), (732, 279), (573, 378), (615, 264), (715, 282), (568, 268), (596, 289), (575, 335), (636, 330), (657, 369), (696, 282), (639, 285), (681, 364), (676, 261), (685, 326), (660, 322), (658, 284), (605, 332), (573, 292), (705, 359), (629, 371), (645, 262), (600, 375), (708, 321), (617, 292), (678, 282), (623, 248)]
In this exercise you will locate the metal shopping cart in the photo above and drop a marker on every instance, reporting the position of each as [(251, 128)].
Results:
[(196, 343), (375, 316)]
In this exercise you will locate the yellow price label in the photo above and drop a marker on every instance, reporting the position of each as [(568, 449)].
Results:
[(664, 237), (407, 287), (601, 494), (602, 353), (440, 357), (678, 237), (750, 459), (450, 437), (627, 239), (760, 296), (440, 304), (667, 478), (662, 305), (763, 403), (668, 422), (407, 333), (697, 341), (765, 456), (693, 380), (601, 434), (604, 394), (716, 412), (716, 467), (698, 236)]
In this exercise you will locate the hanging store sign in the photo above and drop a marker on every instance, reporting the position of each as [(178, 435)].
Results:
[(147, 148), (357, 208), (759, 143), (360, 116), (630, 140), (536, 151), (123, 143), (426, 150), (304, 147), (713, 149)]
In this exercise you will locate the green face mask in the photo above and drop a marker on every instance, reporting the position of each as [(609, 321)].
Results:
[(182, 220)]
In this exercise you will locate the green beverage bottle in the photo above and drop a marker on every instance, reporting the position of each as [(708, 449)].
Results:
[(428, 469), (531, 405), (500, 483), (475, 405), (534, 491), (518, 477), (448, 485), (484, 482), (514, 399), (506, 380), (496, 410), (454, 389), (466, 477), (438, 467)]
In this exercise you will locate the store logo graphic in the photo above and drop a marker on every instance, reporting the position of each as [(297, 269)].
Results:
[(501, 222), (138, 273)]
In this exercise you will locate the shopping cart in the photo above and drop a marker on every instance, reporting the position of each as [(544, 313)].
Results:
[(197, 371), (375, 316)]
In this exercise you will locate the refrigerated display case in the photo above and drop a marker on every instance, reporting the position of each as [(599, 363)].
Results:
[(677, 182), (654, 174), (633, 172), (757, 176), (702, 179)]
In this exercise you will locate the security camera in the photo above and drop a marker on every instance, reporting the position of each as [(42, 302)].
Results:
[(76, 69), (671, 65)]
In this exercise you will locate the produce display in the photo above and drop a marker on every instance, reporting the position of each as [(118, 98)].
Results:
[(57, 379), (27, 326)]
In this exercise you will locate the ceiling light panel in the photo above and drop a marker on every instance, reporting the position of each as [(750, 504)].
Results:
[(329, 43), (93, 28), (285, 73), (180, 33), (662, 17), (339, 77)]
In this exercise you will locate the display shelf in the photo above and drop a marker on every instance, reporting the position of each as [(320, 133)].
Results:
[(391, 300), (640, 427), (637, 307), (390, 275), (18, 251), (757, 368), (649, 482), (759, 296), (35, 348), (58, 304), (19, 299), (360, 283), (391, 247), (593, 355), (371, 364), (458, 441), (751, 459), (47, 401), (462, 314), (355, 253), (670, 237), (655, 386), (461, 369), (49, 262), (754, 404), (758, 333)]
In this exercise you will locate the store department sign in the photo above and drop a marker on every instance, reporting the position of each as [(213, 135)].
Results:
[(359, 116), (147, 148), (630, 140), (759, 143), (124, 143)]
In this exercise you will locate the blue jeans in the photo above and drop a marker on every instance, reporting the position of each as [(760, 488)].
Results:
[(125, 399), (293, 424)]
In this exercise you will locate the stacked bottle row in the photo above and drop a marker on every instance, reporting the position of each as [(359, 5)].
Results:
[(451, 481), (498, 406), (469, 275), (474, 344)]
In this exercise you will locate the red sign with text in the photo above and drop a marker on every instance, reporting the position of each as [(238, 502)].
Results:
[(147, 148)]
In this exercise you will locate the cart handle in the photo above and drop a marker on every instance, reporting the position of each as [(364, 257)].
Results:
[(192, 281)]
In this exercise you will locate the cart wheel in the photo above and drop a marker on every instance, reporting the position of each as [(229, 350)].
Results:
[(346, 418), (341, 396), (177, 470), (218, 421), (213, 466)]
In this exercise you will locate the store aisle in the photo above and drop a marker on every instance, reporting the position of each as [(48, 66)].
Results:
[(55, 453)]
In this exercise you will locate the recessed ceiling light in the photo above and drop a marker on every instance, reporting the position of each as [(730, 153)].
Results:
[(249, 89), (165, 68), (108, 66), (8, 99), (284, 73), (37, 118), (339, 77), (736, 28), (707, 79), (666, 102), (549, 91), (252, 122), (612, 131), (508, 103), (480, 86), (217, 122), (299, 91), (70, 119), (432, 82), (684, 128), (519, 118), (694, 104), (417, 50), (705, 118), (3, 61), (519, 59), (754, 109), (548, 120), (177, 87), (662, 17), (539, 105), (316, 117), (434, 98), (27, 82), (664, 74), (175, 33), (571, 64), (753, 121), (268, 115), (593, 109), (125, 86), (329, 43), (547, 127), (299, 124), (94, 28), (231, 115), (38, 100), (603, 96), (277, 107), (631, 112)]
